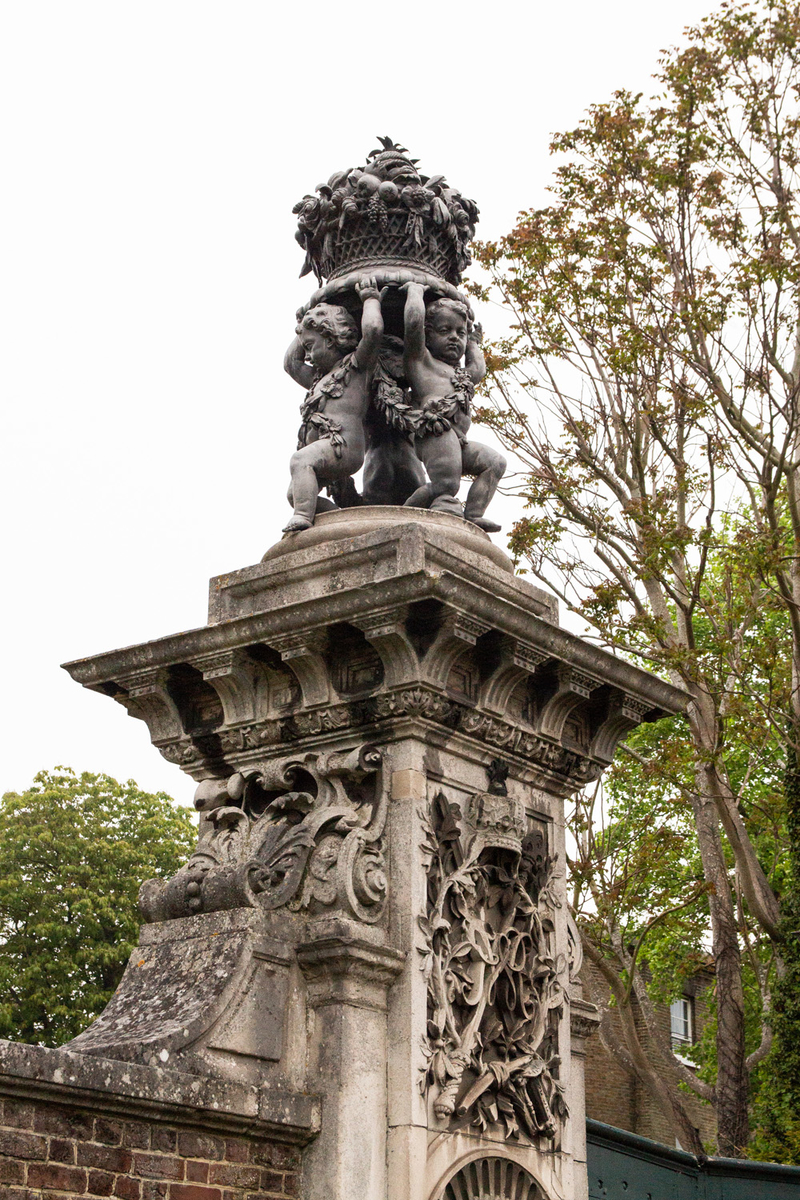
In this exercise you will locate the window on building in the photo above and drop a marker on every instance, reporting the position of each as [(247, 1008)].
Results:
[(681, 1025)]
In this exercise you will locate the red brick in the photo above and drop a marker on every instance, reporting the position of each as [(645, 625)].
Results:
[(153, 1191), (11, 1171), (14, 1143), (105, 1158), (165, 1140), (107, 1132), (62, 1151), (136, 1135), (291, 1183), (197, 1172), (101, 1183), (63, 1123), (237, 1150), (157, 1166), (57, 1178), (193, 1191), (17, 1194), (127, 1188), (272, 1154), (271, 1181), (18, 1114), (235, 1175), (200, 1145)]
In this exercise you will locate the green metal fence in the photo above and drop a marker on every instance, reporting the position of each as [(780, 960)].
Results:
[(624, 1166)]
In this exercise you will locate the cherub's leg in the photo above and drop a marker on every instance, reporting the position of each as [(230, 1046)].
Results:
[(442, 458), (488, 467), (378, 481), (307, 466), (409, 473), (323, 504)]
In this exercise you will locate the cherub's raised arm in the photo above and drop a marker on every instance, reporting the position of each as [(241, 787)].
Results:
[(474, 360), (294, 364), (371, 324), (414, 320)]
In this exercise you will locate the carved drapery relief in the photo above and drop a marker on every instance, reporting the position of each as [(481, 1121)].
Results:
[(306, 833), (494, 984)]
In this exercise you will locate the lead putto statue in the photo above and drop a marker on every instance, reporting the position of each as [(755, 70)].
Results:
[(387, 349)]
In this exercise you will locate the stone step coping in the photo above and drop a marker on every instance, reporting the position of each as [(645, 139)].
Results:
[(157, 1093)]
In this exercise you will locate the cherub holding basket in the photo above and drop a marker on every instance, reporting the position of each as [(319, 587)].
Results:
[(330, 359), (436, 340)]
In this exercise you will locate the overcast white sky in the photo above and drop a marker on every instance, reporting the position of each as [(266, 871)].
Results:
[(151, 153)]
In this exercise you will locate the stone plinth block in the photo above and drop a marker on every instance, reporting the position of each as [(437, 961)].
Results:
[(383, 722)]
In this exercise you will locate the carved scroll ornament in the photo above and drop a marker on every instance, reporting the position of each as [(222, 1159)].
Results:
[(270, 842), (494, 991)]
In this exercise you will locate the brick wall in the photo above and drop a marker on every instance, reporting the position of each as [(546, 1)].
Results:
[(55, 1151), (610, 1091), (615, 1096)]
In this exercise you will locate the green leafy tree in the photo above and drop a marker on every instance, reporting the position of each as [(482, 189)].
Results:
[(650, 387), (778, 1102), (74, 851), (642, 904), (638, 896)]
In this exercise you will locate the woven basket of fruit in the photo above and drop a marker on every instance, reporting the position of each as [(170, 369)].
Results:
[(386, 215), (363, 244)]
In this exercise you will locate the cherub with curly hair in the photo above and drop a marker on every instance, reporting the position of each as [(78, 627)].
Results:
[(335, 364), (437, 338)]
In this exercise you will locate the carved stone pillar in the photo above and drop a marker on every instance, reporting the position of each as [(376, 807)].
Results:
[(383, 722), (348, 978)]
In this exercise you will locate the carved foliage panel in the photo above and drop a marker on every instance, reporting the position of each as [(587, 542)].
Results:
[(495, 993)]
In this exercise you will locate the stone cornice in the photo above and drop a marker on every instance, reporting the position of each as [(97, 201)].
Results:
[(584, 1019), (291, 608), (349, 970), (410, 621)]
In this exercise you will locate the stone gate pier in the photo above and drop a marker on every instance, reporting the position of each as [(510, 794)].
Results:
[(369, 960), (363, 985)]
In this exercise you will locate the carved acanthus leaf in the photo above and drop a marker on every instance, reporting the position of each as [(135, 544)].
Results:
[(266, 843)]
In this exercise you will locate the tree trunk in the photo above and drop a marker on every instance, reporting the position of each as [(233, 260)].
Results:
[(732, 1074), (632, 1054)]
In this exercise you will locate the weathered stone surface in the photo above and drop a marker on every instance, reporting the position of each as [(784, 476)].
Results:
[(333, 528), (72, 1125), (383, 722), (401, 621), (196, 990), (84, 1083)]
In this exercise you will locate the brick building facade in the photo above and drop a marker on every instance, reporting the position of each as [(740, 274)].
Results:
[(616, 1097)]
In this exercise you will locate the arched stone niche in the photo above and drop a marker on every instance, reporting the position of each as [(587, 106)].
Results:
[(493, 1177)]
